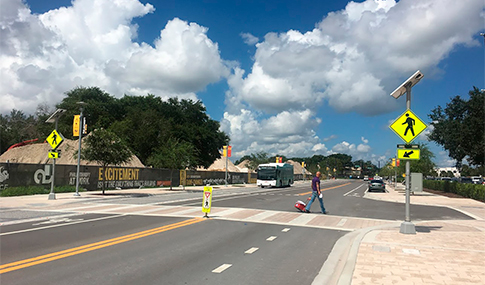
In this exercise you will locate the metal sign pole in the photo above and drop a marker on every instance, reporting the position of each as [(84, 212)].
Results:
[(226, 165), (52, 195), (407, 227)]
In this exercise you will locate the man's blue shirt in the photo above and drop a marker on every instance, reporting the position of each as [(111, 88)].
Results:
[(315, 180)]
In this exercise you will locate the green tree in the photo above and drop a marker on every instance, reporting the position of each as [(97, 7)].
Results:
[(101, 109), (174, 155), (460, 128), (144, 122), (256, 159), (194, 126), (105, 148), (18, 127)]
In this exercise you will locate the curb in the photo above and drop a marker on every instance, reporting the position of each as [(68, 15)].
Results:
[(339, 267)]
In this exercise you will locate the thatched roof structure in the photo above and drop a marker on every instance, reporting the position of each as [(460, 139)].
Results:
[(38, 154)]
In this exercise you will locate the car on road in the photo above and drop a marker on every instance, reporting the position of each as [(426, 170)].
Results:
[(377, 184), (366, 178), (477, 180), (466, 180)]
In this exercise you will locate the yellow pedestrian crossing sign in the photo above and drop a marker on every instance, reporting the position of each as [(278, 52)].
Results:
[(408, 126), (55, 139), (408, 153)]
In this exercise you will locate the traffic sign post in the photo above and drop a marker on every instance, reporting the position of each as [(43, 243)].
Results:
[(54, 140), (408, 126), (207, 201)]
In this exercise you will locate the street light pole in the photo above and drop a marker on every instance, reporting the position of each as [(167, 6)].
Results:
[(483, 35), (81, 130)]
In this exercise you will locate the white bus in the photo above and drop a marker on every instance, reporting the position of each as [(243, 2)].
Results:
[(275, 175)]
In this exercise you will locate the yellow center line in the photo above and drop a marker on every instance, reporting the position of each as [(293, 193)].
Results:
[(93, 246), (306, 193)]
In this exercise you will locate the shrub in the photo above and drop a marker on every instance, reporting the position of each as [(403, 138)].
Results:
[(473, 191), (35, 190)]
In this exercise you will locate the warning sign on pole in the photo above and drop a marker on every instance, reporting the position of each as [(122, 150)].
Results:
[(207, 201)]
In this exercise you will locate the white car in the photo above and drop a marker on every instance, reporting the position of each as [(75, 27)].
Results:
[(477, 180)]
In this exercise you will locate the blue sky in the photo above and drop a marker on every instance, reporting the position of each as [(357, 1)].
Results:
[(293, 78)]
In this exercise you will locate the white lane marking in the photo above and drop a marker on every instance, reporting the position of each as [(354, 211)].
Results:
[(302, 219), (411, 251), (353, 190), (230, 196), (55, 221), (221, 268), (251, 250), (286, 230), (8, 223), (342, 222), (60, 225), (271, 238), (261, 216)]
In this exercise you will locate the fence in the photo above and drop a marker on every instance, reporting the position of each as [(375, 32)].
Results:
[(93, 177)]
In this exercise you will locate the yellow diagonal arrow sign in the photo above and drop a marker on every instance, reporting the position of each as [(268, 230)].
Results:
[(412, 154)]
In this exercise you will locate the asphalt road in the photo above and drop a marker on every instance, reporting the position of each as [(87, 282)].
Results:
[(180, 255), (132, 249), (341, 198)]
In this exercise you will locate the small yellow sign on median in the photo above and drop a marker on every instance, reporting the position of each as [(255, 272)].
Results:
[(207, 201)]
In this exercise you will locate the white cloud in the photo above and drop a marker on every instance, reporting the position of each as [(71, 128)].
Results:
[(352, 59), (357, 56), (356, 151), (249, 39), (288, 133), (43, 56), (329, 138)]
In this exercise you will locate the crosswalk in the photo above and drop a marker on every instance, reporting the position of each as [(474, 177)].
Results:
[(313, 220)]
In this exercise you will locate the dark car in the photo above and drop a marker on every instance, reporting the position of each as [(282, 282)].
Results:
[(466, 180), (377, 185)]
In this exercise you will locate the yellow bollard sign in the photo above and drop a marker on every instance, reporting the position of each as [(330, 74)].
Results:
[(207, 201)]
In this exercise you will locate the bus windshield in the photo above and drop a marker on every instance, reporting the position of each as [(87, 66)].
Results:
[(266, 173)]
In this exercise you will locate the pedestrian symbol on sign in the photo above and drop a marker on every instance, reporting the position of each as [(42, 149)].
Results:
[(206, 203), (410, 122), (408, 126), (54, 139)]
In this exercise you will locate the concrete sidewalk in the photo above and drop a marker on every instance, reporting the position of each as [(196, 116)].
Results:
[(441, 252)]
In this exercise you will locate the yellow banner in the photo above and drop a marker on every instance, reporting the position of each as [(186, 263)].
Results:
[(75, 126)]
